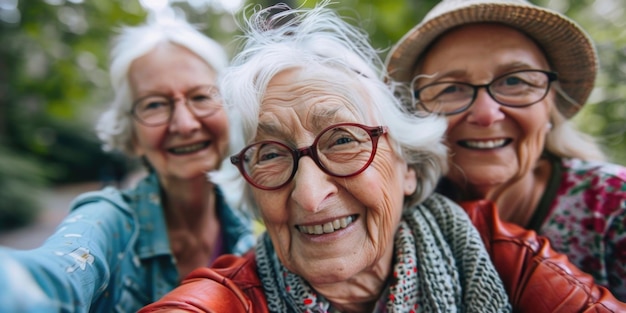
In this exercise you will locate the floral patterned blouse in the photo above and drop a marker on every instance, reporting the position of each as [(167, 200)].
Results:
[(583, 213)]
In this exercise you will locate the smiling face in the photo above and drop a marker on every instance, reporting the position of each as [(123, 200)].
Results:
[(490, 144), (359, 213), (186, 147)]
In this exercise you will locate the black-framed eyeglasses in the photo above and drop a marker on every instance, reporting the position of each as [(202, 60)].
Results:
[(340, 150), (156, 110), (516, 89)]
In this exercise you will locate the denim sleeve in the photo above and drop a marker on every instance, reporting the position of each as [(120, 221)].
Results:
[(73, 267)]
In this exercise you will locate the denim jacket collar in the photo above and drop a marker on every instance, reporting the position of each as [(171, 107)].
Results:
[(153, 239)]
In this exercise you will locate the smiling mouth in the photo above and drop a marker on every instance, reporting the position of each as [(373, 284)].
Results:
[(484, 144), (327, 228), (190, 148)]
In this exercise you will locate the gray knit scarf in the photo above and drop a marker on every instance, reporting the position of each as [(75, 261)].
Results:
[(440, 265)]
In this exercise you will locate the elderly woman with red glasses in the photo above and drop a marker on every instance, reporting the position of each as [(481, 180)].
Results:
[(343, 179), (508, 75)]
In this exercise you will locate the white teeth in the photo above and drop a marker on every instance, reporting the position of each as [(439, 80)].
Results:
[(490, 144), (327, 228), (188, 149), (317, 229), (343, 223)]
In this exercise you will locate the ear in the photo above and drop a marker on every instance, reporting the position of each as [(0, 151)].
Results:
[(410, 181)]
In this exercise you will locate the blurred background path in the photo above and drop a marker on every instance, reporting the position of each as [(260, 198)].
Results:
[(55, 203)]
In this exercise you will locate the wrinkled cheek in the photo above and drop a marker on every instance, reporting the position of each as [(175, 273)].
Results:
[(384, 213), (530, 149), (281, 240), (277, 226), (536, 130), (381, 226), (272, 209)]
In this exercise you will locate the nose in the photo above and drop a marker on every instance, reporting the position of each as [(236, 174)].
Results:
[(485, 110), (183, 120), (311, 186)]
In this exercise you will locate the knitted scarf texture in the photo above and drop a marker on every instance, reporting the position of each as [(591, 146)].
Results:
[(440, 265)]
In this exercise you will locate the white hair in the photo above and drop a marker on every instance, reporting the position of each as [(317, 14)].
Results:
[(114, 126), (566, 140), (334, 56)]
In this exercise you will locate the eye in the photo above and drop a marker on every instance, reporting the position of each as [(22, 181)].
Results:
[(267, 156), (445, 92), (201, 97), (512, 81), (344, 140), (270, 152), (453, 88), (519, 84), (522, 79), (340, 137), (205, 95), (153, 104)]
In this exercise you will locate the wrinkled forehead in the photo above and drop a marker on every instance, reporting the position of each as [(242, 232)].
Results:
[(497, 36), (317, 95)]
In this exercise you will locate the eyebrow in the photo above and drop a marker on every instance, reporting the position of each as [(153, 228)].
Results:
[(457, 74), (320, 119), (269, 129), (450, 74), (159, 93)]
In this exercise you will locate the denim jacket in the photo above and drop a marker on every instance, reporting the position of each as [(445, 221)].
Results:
[(110, 254)]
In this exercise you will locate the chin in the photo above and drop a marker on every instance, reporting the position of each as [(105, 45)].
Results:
[(325, 277), (478, 181), (189, 175), (330, 272), (487, 181)]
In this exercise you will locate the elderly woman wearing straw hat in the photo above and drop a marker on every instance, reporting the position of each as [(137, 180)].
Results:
[(508, 75)]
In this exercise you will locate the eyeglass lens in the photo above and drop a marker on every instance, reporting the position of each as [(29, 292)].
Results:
[(155, 110), (341, 150), (517, 89)]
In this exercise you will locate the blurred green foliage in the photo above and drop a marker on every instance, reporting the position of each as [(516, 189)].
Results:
[(20, 180), (54, 83)]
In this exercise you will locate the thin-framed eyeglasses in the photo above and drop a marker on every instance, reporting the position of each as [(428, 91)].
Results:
[(155, 110), (340, 150), (515, 89)]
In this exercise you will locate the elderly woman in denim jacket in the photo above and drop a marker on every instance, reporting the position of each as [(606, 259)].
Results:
[(119, 250)]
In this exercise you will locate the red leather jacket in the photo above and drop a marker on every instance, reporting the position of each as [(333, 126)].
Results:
[(536, 278)]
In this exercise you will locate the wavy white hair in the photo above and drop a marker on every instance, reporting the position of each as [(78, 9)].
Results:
[(114, 126), (336, 57)]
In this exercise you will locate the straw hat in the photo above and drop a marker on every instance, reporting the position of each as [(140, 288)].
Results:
[(567, 46)]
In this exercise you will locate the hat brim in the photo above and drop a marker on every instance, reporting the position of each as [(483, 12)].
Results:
[(569, 50)]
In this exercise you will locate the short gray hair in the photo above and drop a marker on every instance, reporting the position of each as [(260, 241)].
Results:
[(114, 126), (334, 54)]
